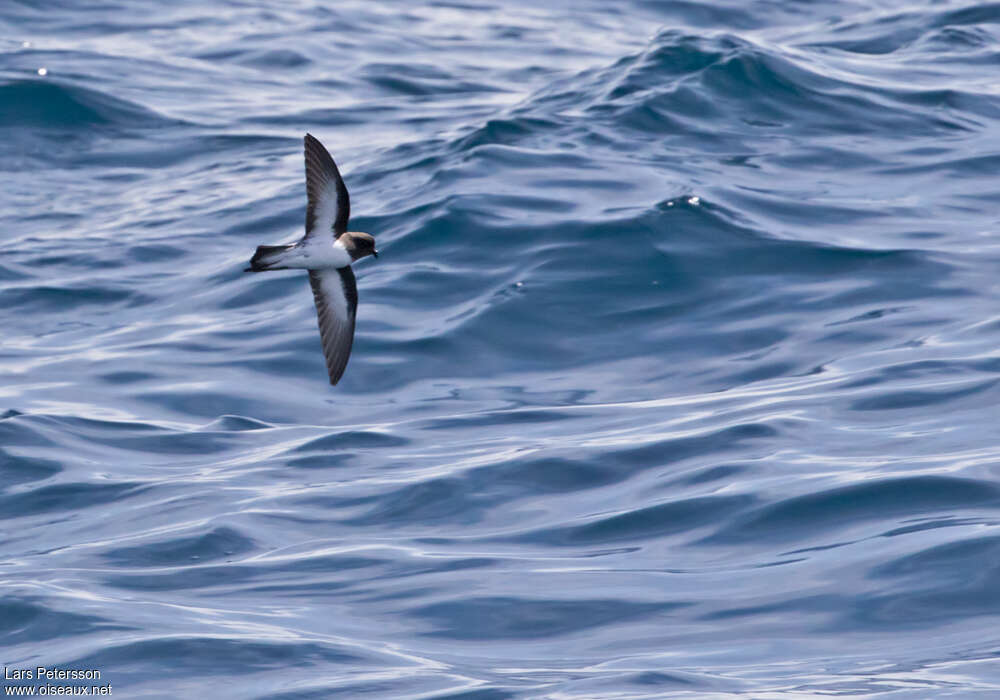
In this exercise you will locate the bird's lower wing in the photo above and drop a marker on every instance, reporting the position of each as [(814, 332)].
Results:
[(336, 296)]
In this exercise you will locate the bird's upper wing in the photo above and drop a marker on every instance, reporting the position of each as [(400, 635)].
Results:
[(329, 206), (336, 294)]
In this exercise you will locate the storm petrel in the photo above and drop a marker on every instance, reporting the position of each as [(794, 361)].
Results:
[(326, 251)]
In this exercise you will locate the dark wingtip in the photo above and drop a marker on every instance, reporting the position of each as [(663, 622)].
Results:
[(335, 379)]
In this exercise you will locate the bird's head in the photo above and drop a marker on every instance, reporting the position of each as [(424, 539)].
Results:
[(359, 244)]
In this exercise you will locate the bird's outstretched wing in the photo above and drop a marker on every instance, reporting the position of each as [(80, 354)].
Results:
[(329, 206), (336, 294)]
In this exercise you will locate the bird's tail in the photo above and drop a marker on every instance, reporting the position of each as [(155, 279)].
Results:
[(267, 257)]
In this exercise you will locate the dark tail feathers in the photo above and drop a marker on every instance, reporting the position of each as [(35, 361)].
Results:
[(263, 259)]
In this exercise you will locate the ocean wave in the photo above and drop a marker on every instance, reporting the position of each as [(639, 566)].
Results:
[(828, 511), (676, 373), (50, 104)]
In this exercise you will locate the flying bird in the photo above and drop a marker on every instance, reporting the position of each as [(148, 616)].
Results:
[(326, 251)]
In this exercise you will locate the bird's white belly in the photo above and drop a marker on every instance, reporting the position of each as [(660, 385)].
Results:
[(317, 254)]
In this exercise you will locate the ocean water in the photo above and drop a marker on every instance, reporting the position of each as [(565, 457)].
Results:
[(677, 375)]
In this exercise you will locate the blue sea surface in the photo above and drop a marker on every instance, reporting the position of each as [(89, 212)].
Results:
[(677, 375)]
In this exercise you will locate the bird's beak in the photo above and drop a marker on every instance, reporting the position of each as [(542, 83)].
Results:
[(375, 253)]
